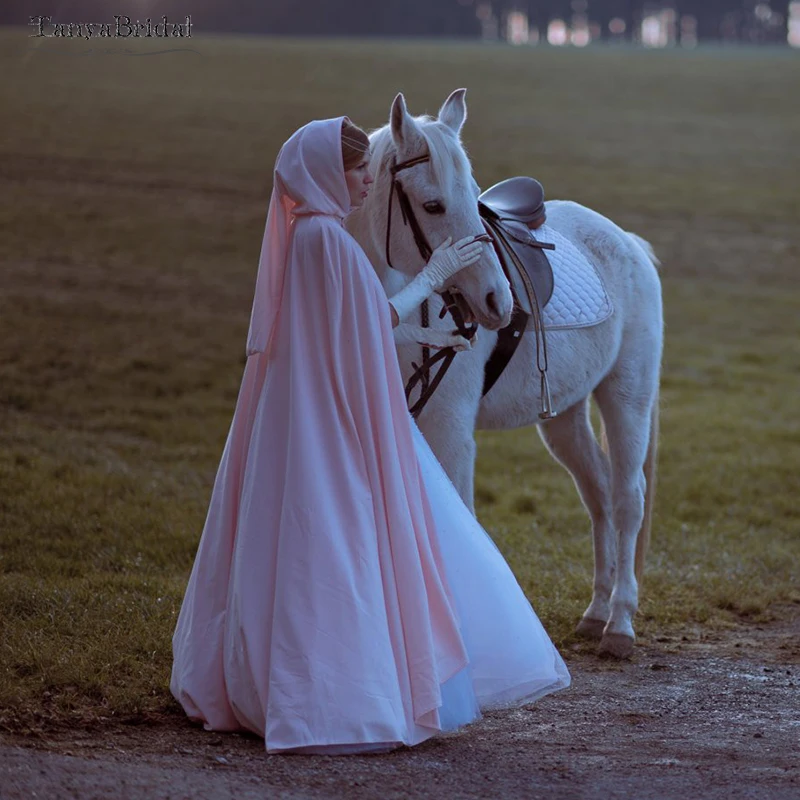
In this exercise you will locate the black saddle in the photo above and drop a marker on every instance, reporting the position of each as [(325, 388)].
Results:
[(517, 198), (510, 211)]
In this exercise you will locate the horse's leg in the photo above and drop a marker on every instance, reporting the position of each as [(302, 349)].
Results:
[(453, 444), (448, 424), (626, 411), (571, 441)]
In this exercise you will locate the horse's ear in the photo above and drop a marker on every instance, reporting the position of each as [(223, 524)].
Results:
[(454, 111), (404, 130)]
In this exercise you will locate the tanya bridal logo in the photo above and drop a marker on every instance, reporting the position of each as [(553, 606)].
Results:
[(121, 28)]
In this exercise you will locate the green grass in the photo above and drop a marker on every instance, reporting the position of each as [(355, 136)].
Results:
[(133, 199)]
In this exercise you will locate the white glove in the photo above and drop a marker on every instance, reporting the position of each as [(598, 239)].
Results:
[(448, 259), (437, 339), (444, 262)]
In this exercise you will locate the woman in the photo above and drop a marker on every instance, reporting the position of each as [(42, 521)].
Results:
[(343, 598)]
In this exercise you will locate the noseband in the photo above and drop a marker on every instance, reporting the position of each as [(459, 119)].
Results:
[(445, 354)]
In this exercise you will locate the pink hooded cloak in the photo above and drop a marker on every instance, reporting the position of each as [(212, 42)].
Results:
[(316, 611)]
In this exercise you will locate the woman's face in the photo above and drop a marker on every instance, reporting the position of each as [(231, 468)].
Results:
[(358, 181)]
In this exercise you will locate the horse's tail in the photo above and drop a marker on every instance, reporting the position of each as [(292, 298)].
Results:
[(647, 247), (643, 539)]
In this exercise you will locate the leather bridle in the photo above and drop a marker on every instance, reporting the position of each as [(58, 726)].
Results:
[(409, 218), (446, 354)]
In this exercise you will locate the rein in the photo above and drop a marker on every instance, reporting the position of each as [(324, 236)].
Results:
[(445, 354)]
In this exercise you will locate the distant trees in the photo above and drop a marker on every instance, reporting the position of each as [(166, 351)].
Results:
[(367, 17), (751, 20), (599, 11), (716, 19), (710, 14)]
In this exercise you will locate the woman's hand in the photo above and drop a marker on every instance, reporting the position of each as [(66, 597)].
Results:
[(445, 261)]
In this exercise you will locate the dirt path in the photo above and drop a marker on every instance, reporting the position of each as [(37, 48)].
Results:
[(703, 716)]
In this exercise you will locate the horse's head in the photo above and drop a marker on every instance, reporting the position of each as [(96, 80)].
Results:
[(442, 195)]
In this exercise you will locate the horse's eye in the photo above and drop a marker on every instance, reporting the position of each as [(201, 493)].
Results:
[(433, 207)]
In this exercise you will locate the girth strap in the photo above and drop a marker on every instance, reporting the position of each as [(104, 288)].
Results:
[(508, 340)]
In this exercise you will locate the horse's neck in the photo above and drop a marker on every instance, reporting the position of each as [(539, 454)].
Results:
[(363, 227)]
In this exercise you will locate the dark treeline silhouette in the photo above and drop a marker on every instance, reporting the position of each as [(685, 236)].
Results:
[(712, 19)]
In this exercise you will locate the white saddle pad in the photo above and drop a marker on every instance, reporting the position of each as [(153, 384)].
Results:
[(579, 297)]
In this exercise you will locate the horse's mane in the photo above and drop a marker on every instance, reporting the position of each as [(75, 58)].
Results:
[(448, 157)]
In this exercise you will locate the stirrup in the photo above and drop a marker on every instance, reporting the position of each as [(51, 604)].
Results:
[(547, 403)]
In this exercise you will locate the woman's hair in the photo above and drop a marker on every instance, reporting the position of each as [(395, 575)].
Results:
[(354, 144)]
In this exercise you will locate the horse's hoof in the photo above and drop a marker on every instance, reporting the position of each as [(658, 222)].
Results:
[(589, 628), (616, 645)]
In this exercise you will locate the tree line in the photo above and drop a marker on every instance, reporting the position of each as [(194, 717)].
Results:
[(715, 19)]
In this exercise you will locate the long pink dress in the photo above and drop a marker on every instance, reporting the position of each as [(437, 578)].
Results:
[(321, 612)]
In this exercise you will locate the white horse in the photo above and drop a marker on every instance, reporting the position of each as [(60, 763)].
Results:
[(617, 361)]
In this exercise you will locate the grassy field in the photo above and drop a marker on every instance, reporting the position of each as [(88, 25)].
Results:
[(133, 192)]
